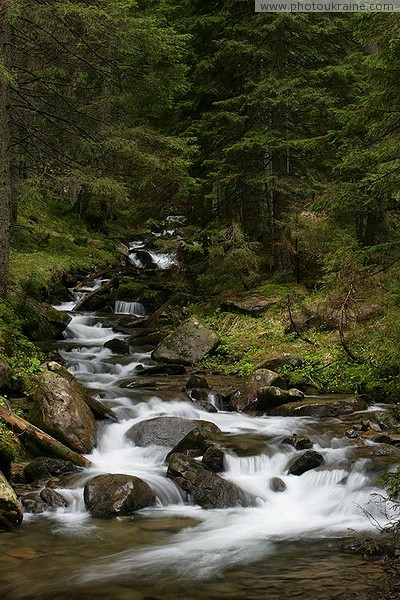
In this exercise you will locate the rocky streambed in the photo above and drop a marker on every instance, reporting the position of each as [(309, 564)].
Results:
[(196, 485)]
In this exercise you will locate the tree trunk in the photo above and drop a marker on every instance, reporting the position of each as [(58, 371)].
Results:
[(5, 184), (45, 442), (279, 157)]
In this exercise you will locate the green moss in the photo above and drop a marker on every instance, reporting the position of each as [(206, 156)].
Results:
[(43, 247), (10, 448)]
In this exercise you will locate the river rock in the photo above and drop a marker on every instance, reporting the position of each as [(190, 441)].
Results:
[(266, 378), (53, 499), (188, 344), (200, 397), (307, 461), (160, 370), (248, 304), (10, 509), (214, 458), (60, 409), (117, 346), (110, 495), (207, 489), (321, 407), (253, 397), (197, 382), (245, 398), (32, 503), (271, 396), (277, 485), (195, 443), (146, 259), (277, 361), (206, 406), (300, 443), (44, 467), (166, 431), (198, 443)]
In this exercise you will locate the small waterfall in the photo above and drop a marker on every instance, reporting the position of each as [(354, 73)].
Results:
[(129, 308), (163, 261)]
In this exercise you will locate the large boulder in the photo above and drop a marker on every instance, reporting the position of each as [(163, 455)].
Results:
[(10, 508), (109, 495), (248, 304), (60, 409), (44, 322), (188, 344), (255, 397), (166, 431), (207, 489), (321, 407), (307, 461)]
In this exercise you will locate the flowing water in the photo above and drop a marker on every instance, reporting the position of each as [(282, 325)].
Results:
[(289, 545)]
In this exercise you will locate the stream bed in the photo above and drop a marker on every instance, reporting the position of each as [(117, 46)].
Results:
[(291, 545)]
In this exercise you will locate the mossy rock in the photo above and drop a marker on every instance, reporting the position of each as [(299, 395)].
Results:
[(10, 450), (43, 322)]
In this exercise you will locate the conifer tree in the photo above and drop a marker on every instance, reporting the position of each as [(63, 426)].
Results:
[(265, 89)]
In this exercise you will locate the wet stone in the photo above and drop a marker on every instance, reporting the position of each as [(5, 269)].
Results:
[(213, 459), (44, 467), (117, 346), (300, 443), (197, 381), (277, 485), (309, 460), (53, 499)]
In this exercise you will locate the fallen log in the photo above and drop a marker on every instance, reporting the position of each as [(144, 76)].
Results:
[(45, 442), (109, 285), (92, 277), (10, 509)]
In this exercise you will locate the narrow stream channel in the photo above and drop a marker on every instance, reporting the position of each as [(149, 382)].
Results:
[(288, 546)]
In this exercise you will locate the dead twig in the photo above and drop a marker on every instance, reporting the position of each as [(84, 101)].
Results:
[(294, 326)]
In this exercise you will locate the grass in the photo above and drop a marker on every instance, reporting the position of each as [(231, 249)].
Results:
[(246, 341), (43, 247)]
